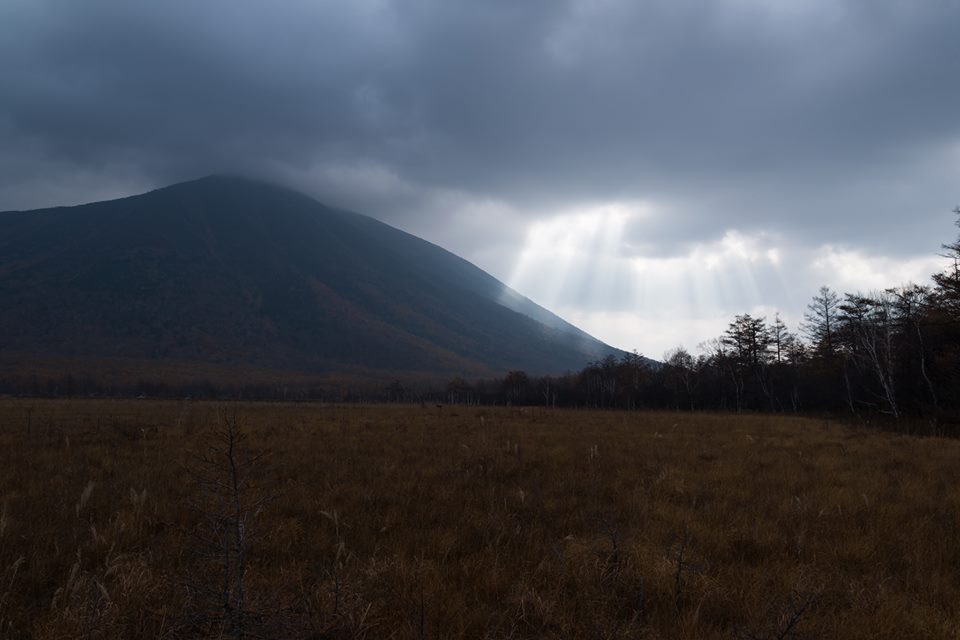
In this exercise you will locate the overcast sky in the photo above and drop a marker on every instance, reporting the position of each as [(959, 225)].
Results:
[(646, 169)]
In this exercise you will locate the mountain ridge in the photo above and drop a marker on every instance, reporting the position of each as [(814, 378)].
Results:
[(232, 270)]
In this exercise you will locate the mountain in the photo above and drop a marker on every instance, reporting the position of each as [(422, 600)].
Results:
[(232, 272)]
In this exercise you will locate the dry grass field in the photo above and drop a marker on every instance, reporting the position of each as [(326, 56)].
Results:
[(410, 522)]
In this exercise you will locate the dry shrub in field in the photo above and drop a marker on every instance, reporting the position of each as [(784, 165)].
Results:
[(231, 494), (333, 604), (782, 622)]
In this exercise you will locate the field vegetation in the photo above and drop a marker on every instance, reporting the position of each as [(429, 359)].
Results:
[(143, 519)]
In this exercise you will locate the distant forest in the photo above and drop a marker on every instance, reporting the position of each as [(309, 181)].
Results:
[(893, 353)]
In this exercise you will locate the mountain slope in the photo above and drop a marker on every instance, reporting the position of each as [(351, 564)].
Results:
[(233, 271)]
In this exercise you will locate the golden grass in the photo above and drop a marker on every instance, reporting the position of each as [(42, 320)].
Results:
[(404, 522)]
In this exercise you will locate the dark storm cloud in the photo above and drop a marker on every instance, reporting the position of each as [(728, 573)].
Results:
[(812, 119)]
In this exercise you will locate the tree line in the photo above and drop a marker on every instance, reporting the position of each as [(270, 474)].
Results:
[(894, 353)]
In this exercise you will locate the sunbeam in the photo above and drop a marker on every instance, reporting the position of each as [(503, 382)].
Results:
[(577, 253), (578, 263)]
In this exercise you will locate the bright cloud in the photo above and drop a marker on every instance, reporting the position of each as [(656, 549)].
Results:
[(577, 264)]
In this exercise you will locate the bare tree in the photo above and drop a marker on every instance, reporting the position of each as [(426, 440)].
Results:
[(515, 385), (779, 337), (870, 326), (681, 374), (228, 503), (912, 303), (820, 322)]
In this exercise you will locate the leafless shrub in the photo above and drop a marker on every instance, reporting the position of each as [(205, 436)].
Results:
[(333, 604), (784, 619), (228, 502), (684, 563)]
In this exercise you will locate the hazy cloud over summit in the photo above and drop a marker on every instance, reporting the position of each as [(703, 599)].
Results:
[(620, 161)]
